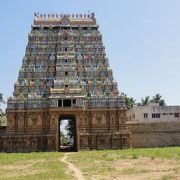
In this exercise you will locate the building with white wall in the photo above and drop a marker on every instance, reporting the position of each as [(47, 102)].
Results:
[(153, 112)]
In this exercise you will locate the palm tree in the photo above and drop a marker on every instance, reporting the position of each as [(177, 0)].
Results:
[(144, 101), (158, 99)]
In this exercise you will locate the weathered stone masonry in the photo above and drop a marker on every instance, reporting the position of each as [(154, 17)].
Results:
[(65, 74)]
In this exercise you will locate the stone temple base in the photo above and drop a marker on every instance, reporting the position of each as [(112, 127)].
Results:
[(39, 130)]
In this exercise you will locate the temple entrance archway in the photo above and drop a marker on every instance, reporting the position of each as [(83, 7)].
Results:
[(67, 130)]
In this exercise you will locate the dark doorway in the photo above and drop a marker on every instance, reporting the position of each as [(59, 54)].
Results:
[(67, 103), (67, 133)]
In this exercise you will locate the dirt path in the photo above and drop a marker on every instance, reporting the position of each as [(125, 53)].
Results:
[(76, 172)]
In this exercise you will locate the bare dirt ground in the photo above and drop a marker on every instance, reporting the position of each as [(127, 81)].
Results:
[(140, 169), (26, 169), (76, 172), (146, 168)]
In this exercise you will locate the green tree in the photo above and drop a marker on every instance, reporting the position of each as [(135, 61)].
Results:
[(1, 102), (63, 141), (129, 101), (158, 99), (70, 128), (1, 111), (144, 101)]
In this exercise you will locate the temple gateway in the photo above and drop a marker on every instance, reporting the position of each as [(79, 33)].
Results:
[(65, 75)]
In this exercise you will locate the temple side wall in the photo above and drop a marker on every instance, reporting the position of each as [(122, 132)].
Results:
[(38, 130), (154, 134), (2, 129)]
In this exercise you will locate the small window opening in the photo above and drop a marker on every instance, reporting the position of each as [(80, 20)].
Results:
[(60, 103), (145, 115), (74, 101), (176, 115)]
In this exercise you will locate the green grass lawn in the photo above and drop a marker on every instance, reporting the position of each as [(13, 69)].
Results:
[(149, 163), (130, 164), (33, 166), (110, 155)]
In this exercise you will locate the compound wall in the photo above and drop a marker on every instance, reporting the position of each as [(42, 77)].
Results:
[(154, 134)]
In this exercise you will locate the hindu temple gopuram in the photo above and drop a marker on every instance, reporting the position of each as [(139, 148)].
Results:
[(65, 74)]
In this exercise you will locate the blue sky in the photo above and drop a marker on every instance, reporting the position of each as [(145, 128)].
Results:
[(142, 40)]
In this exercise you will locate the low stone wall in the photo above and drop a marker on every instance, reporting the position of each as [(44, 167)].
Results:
[(154, 134)]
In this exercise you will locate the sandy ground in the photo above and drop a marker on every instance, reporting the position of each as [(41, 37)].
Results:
[(21, 169), (76, 172), (142, 169)]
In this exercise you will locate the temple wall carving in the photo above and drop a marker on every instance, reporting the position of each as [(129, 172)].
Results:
[(93, 132), (65, 74)]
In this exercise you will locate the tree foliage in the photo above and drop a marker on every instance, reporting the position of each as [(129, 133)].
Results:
[(70, 128), (144, 101), (129, 101), (157, 98), (1, 102)]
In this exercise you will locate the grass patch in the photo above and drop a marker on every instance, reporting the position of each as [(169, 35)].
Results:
[(105, 163), (167, 177), (101, 164), (134, 156), (30, 166)]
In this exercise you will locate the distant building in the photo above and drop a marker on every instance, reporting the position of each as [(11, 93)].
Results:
[(154, 126), (153, 112)]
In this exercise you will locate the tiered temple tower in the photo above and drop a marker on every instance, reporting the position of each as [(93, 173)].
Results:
[(65, 74)]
